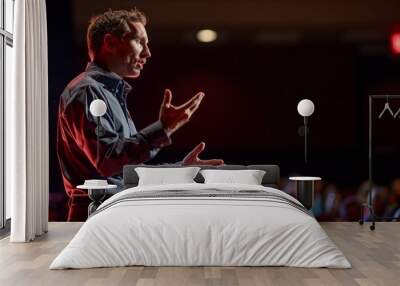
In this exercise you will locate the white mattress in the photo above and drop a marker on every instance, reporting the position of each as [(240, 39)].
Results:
[(200, 231)]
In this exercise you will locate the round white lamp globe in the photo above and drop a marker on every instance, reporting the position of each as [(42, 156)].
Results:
[(98, 107), (305, 107)]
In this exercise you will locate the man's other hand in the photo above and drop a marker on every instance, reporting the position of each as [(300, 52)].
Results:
[(193, 157), (174, 117)]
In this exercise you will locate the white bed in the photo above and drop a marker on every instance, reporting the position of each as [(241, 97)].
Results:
[(184, 230)]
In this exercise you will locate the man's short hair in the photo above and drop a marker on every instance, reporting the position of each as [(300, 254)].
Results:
[(110, 22)]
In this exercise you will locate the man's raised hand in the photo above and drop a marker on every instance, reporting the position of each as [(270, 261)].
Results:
[(174, 117), (193, 157)]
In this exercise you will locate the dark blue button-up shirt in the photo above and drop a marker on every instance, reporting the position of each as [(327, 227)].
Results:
[(119, 141)]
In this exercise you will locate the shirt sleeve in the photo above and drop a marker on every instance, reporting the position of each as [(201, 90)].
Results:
[(115, 150)]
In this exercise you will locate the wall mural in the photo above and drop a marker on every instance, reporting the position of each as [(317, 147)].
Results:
[(229, 102)]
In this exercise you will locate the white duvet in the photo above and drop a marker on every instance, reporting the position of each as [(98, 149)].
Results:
[(200, 231)]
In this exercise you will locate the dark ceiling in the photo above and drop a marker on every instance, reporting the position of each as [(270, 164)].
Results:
[(273, 21)]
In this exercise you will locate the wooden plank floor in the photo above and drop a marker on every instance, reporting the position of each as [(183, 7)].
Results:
[(375, 257)]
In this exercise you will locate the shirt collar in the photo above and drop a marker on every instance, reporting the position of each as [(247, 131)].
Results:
[(111, 80)]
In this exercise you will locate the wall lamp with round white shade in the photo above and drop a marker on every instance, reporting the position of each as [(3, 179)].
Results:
[(98, 108), (305, 108)]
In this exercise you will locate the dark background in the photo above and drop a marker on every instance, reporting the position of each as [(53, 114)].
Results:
[(268, 57)]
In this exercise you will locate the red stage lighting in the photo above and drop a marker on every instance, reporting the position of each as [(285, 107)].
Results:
[(395, 43)]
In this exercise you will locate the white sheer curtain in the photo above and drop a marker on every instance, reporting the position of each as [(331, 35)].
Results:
[(27, 124)]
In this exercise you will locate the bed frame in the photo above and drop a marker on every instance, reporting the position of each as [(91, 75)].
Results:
[(270, 179)]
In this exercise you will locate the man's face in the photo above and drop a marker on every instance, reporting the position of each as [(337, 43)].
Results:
[(131, 51)]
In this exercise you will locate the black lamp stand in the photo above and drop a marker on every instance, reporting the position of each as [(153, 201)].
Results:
[(305, 138)]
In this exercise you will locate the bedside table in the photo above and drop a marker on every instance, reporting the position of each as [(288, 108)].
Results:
[(96, 194), (305, 190)]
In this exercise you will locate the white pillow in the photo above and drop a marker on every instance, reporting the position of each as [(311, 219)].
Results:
[(162, 176), (248, 177)]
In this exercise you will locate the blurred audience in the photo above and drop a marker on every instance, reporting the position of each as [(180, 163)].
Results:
[(333, 203)]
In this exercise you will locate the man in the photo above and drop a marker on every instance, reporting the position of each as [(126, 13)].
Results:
[(118, 47)]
